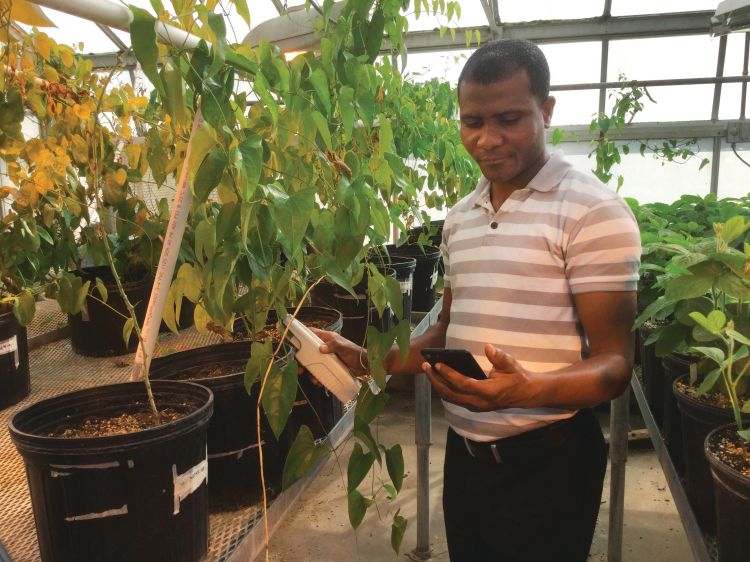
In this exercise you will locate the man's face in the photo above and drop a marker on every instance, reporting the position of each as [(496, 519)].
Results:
[(502, 127)]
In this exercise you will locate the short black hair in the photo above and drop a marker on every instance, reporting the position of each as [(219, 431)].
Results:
[(500, 59)]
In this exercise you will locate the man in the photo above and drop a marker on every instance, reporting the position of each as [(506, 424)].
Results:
[(541, 266)]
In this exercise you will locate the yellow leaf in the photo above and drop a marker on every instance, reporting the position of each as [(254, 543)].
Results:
[(66, 56), (42, 44), (50, 74), (83, 112), (28, 13)]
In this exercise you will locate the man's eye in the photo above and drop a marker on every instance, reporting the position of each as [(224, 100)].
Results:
[(471, 124), (509, 120)]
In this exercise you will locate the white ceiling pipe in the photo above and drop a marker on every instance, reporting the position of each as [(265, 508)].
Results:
[(118, 16)]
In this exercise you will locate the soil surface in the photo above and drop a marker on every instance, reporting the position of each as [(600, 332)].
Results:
[(128, 422), (717, 399), (219, 369), (273, 333), (730, 449)]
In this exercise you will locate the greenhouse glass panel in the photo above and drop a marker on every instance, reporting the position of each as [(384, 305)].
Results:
[(636, 7), (663, 58), (729, 107), (574, 107), (573, 63), (733, 173), (648, 179), (446, 66), (733, 59), (550, 10), (675, 103)]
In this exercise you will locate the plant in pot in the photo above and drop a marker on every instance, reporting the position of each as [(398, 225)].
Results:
[(727, 447), (717, 270), (115, 472)]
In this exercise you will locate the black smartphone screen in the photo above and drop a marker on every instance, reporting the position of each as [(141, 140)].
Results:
[(458, 359)]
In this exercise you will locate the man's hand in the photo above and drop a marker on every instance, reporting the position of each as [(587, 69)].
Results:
[(353, 356), (508, 385)]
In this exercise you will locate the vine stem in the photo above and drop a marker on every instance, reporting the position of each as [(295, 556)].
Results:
[(257, 413), (105, 241)]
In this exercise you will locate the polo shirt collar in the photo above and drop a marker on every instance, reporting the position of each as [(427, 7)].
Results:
[(546, 179)]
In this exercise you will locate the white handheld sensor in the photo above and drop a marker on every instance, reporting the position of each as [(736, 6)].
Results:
[(327, 368)]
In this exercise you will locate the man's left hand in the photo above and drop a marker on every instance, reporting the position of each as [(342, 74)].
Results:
[(507, 386)]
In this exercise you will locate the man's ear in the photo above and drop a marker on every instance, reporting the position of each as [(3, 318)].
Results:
[(547, 109)]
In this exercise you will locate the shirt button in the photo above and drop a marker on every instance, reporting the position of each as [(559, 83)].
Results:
[(493, 225)]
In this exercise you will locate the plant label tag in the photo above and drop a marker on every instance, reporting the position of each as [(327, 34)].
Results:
[(10, 346), (85, 312), (434, 278), (188, 482), (406, 285)]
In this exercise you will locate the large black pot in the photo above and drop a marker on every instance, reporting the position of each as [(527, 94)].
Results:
[(233, 458), (732, 502), (15, 383), (97, 330), (425, 273), (674, 366), (134, 496), (358, 311), (403, 268), (436, 239), (698, 420)]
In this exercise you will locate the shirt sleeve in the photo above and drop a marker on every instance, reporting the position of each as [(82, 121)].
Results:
[(604, 249)]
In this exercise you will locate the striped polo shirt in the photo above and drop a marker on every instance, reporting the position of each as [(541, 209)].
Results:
[(513, 274)]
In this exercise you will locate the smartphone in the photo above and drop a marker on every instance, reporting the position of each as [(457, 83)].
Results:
[(458, 359)]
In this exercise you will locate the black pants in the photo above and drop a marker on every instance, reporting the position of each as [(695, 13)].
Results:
[(539, 504)]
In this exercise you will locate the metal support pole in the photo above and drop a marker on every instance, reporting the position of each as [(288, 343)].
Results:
[(603, 76), (618, 456), (716, 156), (743, 100), (423, 439)]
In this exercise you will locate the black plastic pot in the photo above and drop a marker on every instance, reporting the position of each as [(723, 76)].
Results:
[(435, 240), (674, 366), (653, 375), (314, 406), (15, 383), (403, 267), (97, 330), (425, 273), (232, 433), (358, 311), (698, 420), (135, 496), (732, 502)]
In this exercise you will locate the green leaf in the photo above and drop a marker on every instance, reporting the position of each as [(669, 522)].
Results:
[(205, 240), (292, 214), (251, 150), (143, 40), (201, 143), (322, 126), (671, 338), (732, 285), (168, 315), (708, 382), (716, 319), (394, 461), (378, 346), (357, 508), (260, 354), (175, 93), (219, 45), (687, 287), (363, 433), (395, 297), (302, 456), (713, 353), (375, 34), (209, 174), (319, 81), (346, 109), (734, 334), (24, 306), (557, 136), (102, 288), (370, 405), (242, 11), (278, 395), (398, 528), (734, 228), (191, 282), (359, 465), (127, 330)]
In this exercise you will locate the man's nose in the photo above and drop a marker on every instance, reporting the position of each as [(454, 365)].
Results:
[(490, 137)]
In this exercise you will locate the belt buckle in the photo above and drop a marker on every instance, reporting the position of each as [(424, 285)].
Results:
[(468, 447), (493, 449)]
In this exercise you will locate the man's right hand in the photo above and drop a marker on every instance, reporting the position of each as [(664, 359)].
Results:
[(353, 356)]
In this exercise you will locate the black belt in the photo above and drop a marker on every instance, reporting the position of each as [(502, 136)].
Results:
[(528, 446)]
